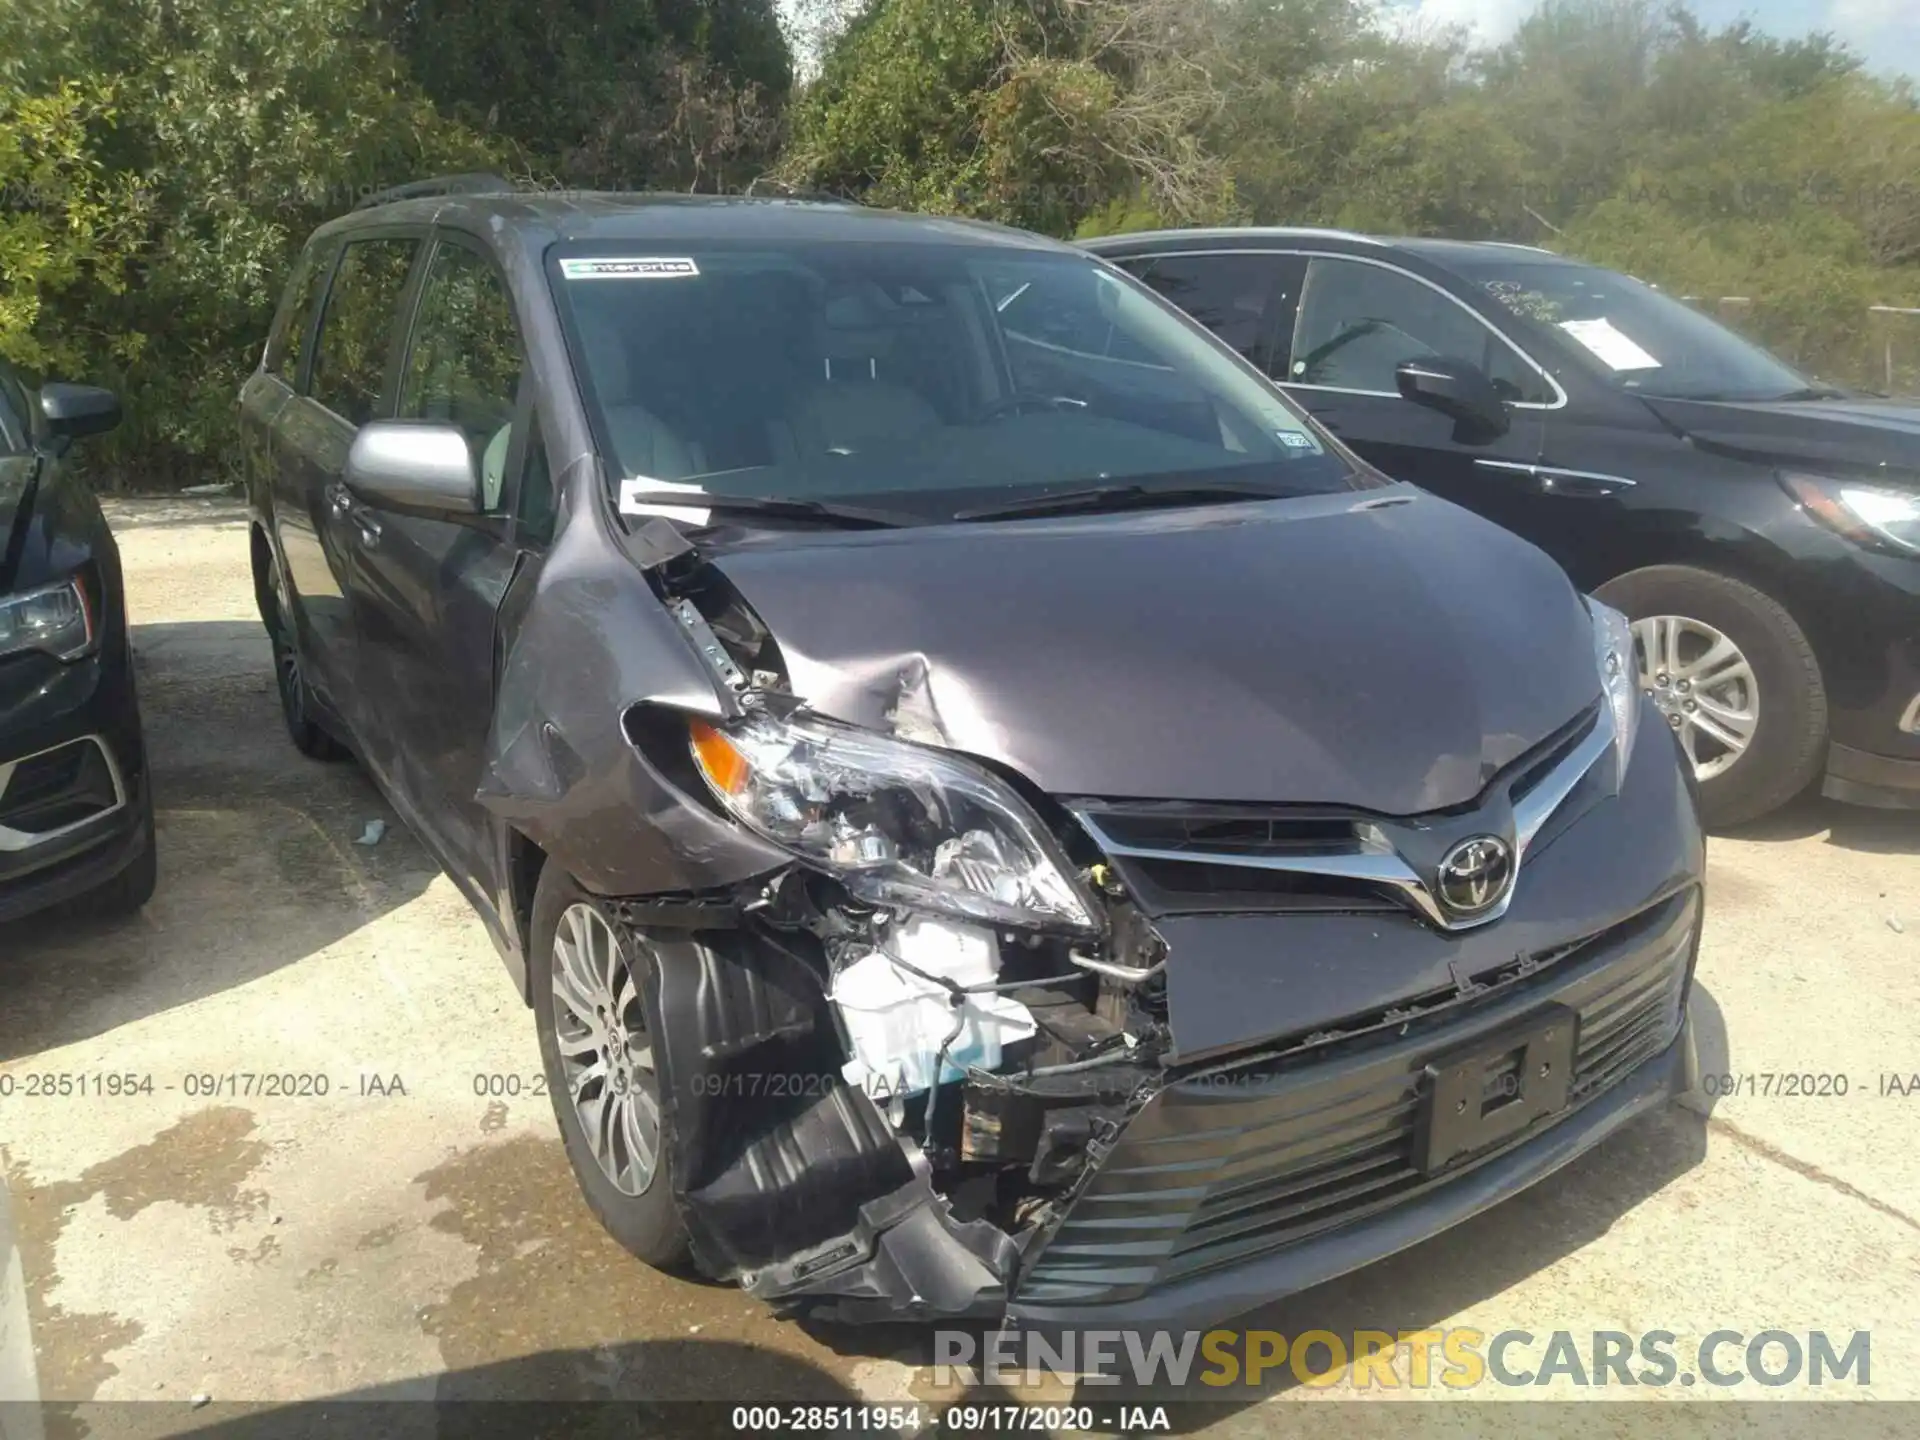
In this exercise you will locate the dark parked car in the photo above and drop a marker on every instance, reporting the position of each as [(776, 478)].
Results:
[(76, 816), (1762, 531), (991, 809)]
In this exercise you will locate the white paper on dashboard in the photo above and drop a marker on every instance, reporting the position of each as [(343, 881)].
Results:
[(1616, 350), (644, 495)]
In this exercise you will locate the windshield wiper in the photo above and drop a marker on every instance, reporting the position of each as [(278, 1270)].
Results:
[(1118, 497), (1813, 392), (783, 507)]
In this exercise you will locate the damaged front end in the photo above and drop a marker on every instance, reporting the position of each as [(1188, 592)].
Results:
[(932, 1041), (886, 1065)]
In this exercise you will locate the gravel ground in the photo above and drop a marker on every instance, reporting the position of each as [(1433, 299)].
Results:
[(407, 1236)]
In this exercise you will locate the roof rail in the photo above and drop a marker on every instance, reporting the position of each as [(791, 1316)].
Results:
[(477, 182)]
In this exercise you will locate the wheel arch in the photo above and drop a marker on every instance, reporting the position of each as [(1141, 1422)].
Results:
[(1744, 556), (264, 598)]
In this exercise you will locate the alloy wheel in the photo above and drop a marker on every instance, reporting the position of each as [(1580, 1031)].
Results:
[(606, 1053), (1703, 686)]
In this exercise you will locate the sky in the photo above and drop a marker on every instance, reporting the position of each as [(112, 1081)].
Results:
[(1885, 32)]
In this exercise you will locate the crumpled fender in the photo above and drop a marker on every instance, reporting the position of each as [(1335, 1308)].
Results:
[(585, 639)]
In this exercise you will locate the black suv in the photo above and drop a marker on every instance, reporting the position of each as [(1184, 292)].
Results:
[(992, 810), (1762, 531), (76, 815)]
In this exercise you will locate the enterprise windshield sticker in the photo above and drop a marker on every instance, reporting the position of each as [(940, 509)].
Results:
[(644, 495), (636, 267)]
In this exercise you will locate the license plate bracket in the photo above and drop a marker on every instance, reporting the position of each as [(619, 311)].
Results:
[(1491, 1089)]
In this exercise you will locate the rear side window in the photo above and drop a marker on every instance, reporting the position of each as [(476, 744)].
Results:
[(1238, 297), (287, 347), (356, 333), (464, 364), (15, 430)]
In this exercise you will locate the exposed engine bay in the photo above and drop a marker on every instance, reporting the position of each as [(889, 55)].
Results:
[(830, 1049)]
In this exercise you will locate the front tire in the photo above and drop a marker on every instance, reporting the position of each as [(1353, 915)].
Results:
[(1734, 677), (596, 1012)]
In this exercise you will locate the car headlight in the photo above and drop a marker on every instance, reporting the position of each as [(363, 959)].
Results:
[(1875, 515), (897, 824), (1619, 675), (55, 619)]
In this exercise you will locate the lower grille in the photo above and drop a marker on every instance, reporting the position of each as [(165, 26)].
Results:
[(1236, 1163), (57, 789)]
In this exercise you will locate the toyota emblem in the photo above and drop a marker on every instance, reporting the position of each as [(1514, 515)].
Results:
[(1475, 874)]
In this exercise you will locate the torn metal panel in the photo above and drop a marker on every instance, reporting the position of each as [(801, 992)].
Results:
[(560, 767)]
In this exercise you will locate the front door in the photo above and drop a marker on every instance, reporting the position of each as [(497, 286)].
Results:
[(312, 435), (427, 587)]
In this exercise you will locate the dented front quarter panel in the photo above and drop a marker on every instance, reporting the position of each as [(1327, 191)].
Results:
[(592, 640)]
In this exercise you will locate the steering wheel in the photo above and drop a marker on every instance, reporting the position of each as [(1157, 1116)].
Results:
[(1021, 402)]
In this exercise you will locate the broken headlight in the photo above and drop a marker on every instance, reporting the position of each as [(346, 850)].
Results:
[(897, 824)]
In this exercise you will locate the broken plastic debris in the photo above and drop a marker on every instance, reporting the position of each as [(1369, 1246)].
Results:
[(200, 1400), (1893, 924), (373, 833)]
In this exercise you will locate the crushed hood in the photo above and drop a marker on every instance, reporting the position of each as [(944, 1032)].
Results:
[(1852, 433), (1382, 649)]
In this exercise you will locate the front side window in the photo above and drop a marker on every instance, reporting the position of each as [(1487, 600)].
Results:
[(356, 332), (934, 374), (1235, 296), (1358, 323), (463, 367), (1643, 340)]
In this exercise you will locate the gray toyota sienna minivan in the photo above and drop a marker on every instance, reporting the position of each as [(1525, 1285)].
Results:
[(993, 810)]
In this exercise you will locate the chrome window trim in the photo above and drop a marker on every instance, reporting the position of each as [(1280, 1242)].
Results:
[(1374, 861), (1549, 473), (1560, 394), (13, 842)]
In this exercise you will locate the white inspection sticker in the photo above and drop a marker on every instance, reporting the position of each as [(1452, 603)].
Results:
[(628, 267), (670, 499), (1614, 349)]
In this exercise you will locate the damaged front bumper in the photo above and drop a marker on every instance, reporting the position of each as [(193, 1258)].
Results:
[(1243, 1181), (1231, 1180)]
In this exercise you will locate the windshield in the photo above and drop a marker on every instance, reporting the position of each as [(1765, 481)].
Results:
[(1648, 342), (935, 379)]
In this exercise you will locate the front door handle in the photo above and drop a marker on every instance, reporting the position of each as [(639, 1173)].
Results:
[(1554, 480), (369, 529), (340, 498)]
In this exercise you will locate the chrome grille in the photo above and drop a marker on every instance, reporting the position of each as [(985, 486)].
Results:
[(1181, 858)]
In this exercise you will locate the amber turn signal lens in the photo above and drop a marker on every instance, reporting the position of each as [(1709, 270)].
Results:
[(724, 766)]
